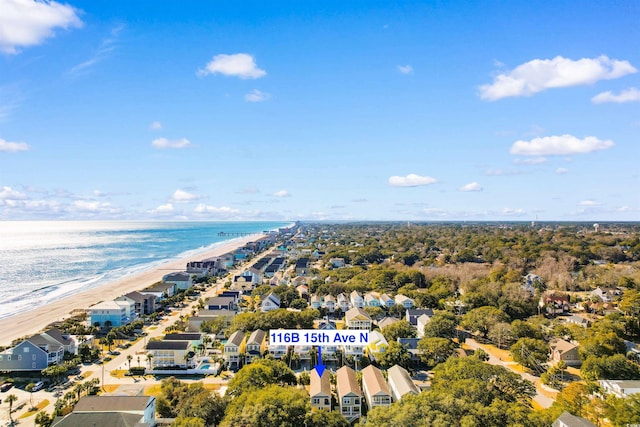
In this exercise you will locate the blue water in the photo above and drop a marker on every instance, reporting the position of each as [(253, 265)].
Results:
[(42, 261)]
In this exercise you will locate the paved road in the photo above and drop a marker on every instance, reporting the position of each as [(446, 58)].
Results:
[(541, 399)]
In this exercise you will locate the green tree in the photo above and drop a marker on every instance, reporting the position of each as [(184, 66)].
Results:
[(435, 350), (325, 419), (530, 352), (188, 422), (272, 406), (10, 400), (42, 419), (29, 388), (399, 329), (610, 367), (481, 319), (396, 354), (441, 325)]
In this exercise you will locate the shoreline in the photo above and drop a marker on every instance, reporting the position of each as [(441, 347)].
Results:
[(32, 321)]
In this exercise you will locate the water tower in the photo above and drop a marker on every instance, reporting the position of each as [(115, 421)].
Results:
[(596, 227)]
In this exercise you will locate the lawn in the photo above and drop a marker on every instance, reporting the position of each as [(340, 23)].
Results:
[(40, 406)]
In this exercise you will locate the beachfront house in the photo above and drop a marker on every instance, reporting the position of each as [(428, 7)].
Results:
[(160, 290), (112, 313), (142, 304), (376, 389), (320, 391), (400, 382), (181, 279), (349, 394)]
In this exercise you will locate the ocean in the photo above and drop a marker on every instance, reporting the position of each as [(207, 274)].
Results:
[(43, 261)]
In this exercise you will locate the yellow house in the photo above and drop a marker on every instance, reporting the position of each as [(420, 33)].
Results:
[(377, 344)]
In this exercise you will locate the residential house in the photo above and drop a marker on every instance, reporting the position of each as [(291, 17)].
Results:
[(181, 279), (112, 313), (376, 345), (383, 323), (387, 301), (565, 351), (329, 303), (569, 420), (329, 352), (400, 382), (412, 315), (160, 290), (530, 282), (357, 318), (111, 411), (411, 344), (256, 345), (356, 299), (576, 319), (232, 348), (320, 390), (243, 282), (421, 322), (169, 354), (371, 299), (554, 303), (221, 303), (315, 301), (404, 301), (349, 394), (607, 294), (302, 267), (303, 291), (66, 341), (25, 356), (270, 302), (376, 389), (142, 304), (195, 322), (620, 388), (194, 339), (337, 262), (343, 302)]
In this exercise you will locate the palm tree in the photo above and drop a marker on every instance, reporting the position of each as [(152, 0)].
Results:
[(29, 387), (129, 359), (10, 399), (149, 358), (138, 360), (42, 419)]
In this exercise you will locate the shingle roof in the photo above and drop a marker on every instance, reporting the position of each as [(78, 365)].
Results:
[(112, 403), (347, 382), (236, 338), (374, 381), (167, 345), (320, 386), (102, 419), (402, 381)]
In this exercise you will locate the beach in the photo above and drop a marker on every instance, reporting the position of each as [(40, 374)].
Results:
[(33, 321)]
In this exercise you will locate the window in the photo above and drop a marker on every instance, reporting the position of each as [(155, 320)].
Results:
[(33, 357), (19, 357), (33, 365), (26, 350), (316, 401)]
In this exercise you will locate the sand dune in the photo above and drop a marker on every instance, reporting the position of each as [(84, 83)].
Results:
[(35, 320)]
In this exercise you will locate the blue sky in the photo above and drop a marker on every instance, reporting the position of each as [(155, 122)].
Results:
[(363, 110)]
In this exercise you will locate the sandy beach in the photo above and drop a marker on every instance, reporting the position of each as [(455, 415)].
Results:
[(33, 321)]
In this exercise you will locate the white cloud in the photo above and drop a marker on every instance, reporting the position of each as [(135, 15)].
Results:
[(512, 211), (502, 172), (532, 161), (91, 206), (588, 203), (542, 74), (162, 143), (240, 65), (411, 180), (256, 96), (155, 126), (559, 145), (405, 69), (163, 209), (202, 208), (13, 147), (628, 95), (281, 193), (562, 171), (181, 196), (27, 22), (8, 193), (472, 186)]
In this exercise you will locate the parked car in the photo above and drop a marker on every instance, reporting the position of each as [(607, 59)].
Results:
[(38, 386), (5, 387)]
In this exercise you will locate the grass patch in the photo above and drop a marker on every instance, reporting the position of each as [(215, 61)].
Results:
[(153, 390), (212, 387), (536, 406), (40, 406), (151, 328), (497, 352), (118, 373), (110, 388), (87, 374)]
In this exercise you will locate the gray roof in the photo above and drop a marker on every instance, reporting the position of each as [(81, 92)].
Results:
[(257, 337), (236, 338), (178, 276), (568, 420), (102, 419), (167, 345), (112, 403), (183, 337), (401, 381)]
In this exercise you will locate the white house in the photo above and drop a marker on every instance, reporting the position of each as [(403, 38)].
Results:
[(376, 389), (404, 301), (343, 302), (320, 391), (621, 388), (181, 279), (356, 299), (349, 393), (329, 303), (270, 302), (420, 324), (315, 301), (387, 301), (400, 382)]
